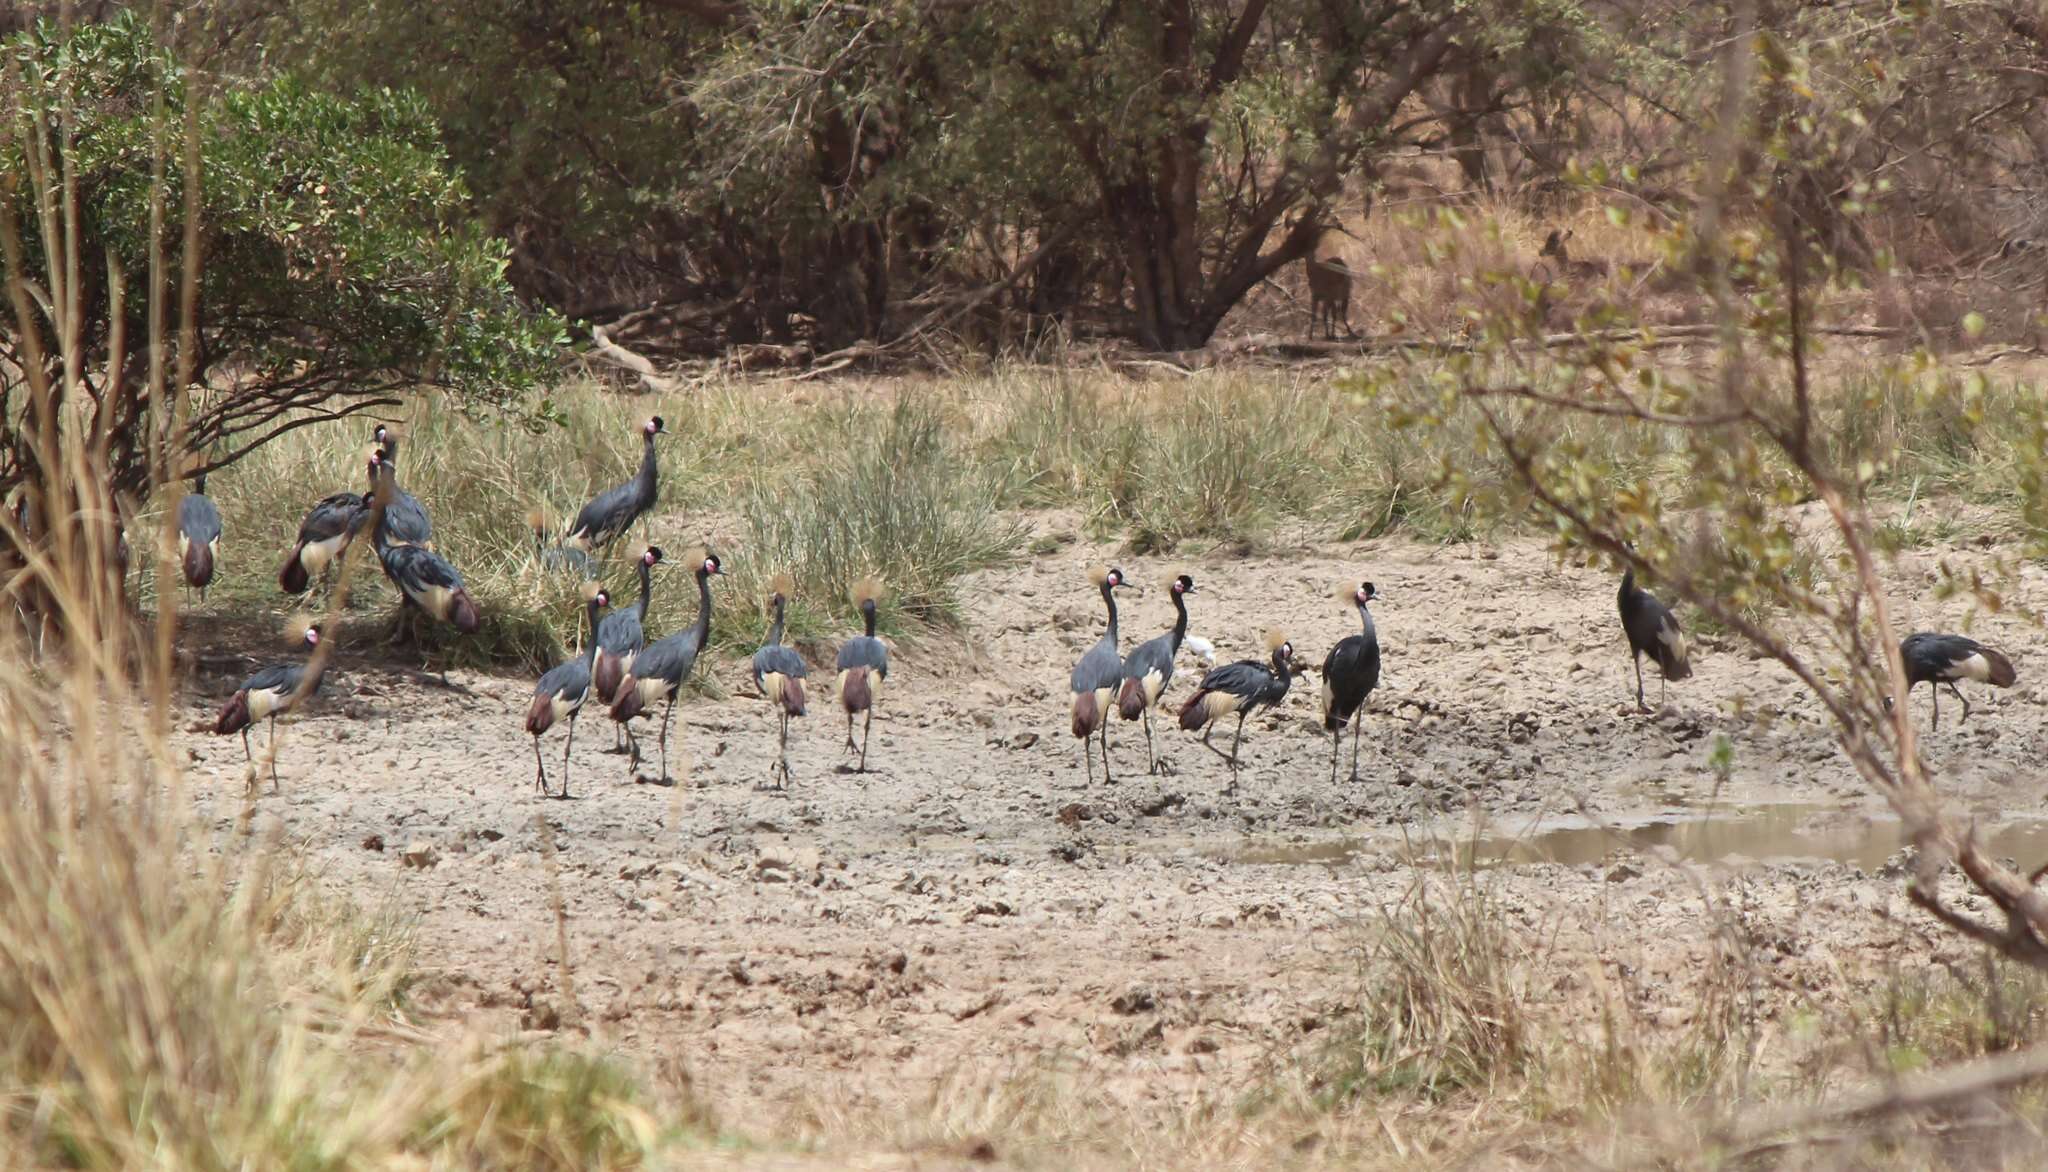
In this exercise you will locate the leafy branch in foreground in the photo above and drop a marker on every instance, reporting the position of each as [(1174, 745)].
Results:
[(1765, 474)]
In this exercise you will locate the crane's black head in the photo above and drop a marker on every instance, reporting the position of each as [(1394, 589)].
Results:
[(1366, 593), (653, 555), (602, 599), (1184, 585), (710, 565), (656, 427), (313, 635), (1553, 244), (378, 433), (1116, 578)]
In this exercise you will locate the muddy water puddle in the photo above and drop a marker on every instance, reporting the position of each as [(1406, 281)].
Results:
[(1731, 835)]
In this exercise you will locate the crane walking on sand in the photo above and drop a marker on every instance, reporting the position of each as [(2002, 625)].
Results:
[(619, 638), (198, 536), (405, 518), (1241, 687), (1945, 659), (614, 510), (779, 673), (659, 670), (325, 534), (1095, 679), (863, 665), (426, 579), (273, 691), (560, 695), (1350, 672), (1652, 631), (1148, 669)]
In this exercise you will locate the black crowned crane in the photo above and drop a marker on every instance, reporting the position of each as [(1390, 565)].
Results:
[(273, 691), (198, 536), (405, 518), (660, 669), (325, 534), (1095, 680), (779, 672), (863, 667), (426, 578), (560, 695), (1350, 672), (1946, 659), (1652, 631), (1241, 687), (603, 519), (1148, 669), (620, 637)]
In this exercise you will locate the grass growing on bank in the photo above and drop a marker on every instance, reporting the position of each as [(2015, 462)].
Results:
[(920, 481)]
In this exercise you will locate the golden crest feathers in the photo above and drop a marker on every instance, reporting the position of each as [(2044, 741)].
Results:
[(591, 589), (1275, 639), (1097, 575), (867, 590), (296, 628), (782, 584)]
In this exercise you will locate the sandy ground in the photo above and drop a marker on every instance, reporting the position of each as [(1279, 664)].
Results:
[(974, 907)]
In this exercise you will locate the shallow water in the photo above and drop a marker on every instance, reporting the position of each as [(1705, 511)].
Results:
[(1726, 834)]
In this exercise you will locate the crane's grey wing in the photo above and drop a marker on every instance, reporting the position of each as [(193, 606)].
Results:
[(620, 632), (568, 678), (198, 519), (1242, 678), (781, 659), (1155, 654), (276, 677), (864, 651), (417, 568)]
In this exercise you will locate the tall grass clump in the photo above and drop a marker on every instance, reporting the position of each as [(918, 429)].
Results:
[(1443, 1006), (885, 493)]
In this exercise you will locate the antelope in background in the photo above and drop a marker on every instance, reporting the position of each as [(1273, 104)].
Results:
[(1329, 296)]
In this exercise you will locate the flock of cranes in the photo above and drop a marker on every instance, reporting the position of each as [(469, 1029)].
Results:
[(629, 676)]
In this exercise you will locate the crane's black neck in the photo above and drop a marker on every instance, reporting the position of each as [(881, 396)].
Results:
[(867, 616), (647, 586), (775, 631), (1628, 583), (1365, 617), (590, 651), (1180, 622), (703, 625), (1109, 600), (647, 466), (199, 484)]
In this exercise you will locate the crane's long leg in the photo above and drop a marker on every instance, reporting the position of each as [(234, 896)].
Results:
[(1151, 754), (1964, 699), (1357, 723), (565, 754), (1088, 756), (1207, 731), (1640, 706), (272, 751), (1239, 736), (1336, 743), (1105, 749), (850, 746), (246, 754), (1934, 690), (540, 771), (665, 714), (782, 753), (867, 726)]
